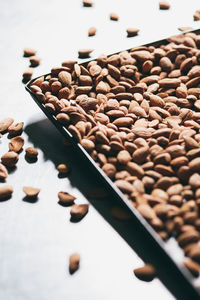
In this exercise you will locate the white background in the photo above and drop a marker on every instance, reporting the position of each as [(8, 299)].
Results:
[(36, 239)]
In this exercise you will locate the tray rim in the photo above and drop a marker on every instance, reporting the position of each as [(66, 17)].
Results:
[(136, 215)]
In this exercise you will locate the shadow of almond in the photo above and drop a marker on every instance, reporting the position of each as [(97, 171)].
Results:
[(30, 199), (6, 198)]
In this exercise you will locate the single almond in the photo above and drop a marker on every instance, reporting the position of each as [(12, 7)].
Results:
[(114, 17), (3, 172), (74, 261), (31, 152), (10, 159), (66, 198), (65, 78), (132, 31), (16, 143), (15, 129), (87, 3), (5, 124), (145, 273), (27, 75), (34, 61), (164, 5), (5, 191), (29, 52), (92, 31), (84, 53), (31, 192), (63, 169), (78, 211)]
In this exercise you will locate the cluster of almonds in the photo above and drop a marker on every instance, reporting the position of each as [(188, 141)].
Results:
[(34, 62), (10, 159), (138, 115)]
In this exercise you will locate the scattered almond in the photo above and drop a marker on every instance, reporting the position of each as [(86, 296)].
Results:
[(31, 192), (78, 211), (5, 191), (132, 31), (34, 61), (65, 198), (10, 159), (92, 31), (84, 53), (74, 262), (16, 143), (114, 17), (31, 152), (15, 129), (5, 124), (29, 52), (146, 273)]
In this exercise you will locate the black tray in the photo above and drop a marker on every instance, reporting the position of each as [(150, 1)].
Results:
[(152, 249)]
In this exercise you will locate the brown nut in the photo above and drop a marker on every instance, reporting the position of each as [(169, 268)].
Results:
[(92, 31), (74, 261), (16, 143), (15, 129), (29, 52), (3, 172), (34, 61), (145, 273), (31, 152), (132, 31), (5, 124), (6, 191), (65, 198), (63, 169), (31, 192), (10, 159), (78, 211)]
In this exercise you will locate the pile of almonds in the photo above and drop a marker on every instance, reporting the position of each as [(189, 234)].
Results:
[(137, 113)]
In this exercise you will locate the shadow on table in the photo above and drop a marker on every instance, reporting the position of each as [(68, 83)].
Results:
[(47, 138)]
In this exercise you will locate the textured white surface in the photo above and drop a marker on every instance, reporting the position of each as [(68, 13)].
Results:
[(37, 239)]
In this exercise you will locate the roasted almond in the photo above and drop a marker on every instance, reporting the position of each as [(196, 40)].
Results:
[(15, 129), (65, 198), (78, 211), (145, 273), (6, 191), (31, 152), (5, 124), (31, 192), (10, 159), (74, 261), (16, 143)]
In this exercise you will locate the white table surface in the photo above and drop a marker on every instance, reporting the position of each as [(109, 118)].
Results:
[(36, 239)]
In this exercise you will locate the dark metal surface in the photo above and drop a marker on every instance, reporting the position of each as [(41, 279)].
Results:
[(154, 249)]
